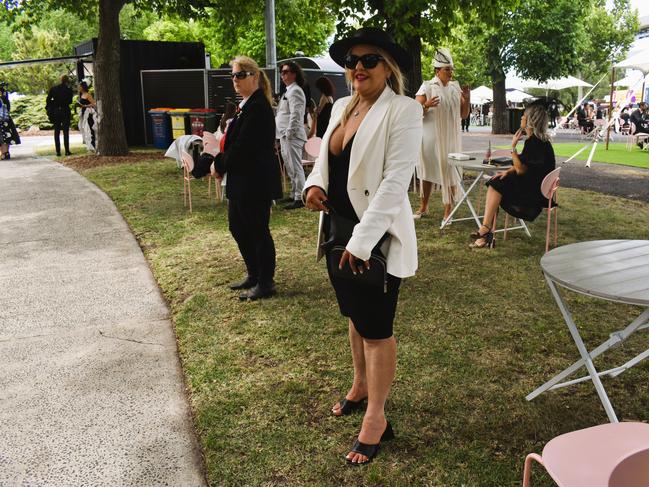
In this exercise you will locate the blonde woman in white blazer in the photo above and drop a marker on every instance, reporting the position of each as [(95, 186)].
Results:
[(366, 161)]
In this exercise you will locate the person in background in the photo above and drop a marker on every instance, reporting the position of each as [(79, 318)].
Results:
[(228, 114), (366, 161), (87, 117), (640, 118), (465, 122), (57, 106), (323, 112), (444, 104), (518, 189), (9, 133), (248, 160), (290, 129)]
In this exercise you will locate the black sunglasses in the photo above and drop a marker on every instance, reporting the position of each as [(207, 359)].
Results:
[(285, 71), (368, 61), (241, 74)]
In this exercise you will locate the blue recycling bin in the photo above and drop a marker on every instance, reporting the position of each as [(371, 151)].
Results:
[(160, 127)]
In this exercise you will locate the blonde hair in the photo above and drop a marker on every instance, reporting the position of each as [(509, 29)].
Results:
[(248, 64), (395, 81), (537, 120)]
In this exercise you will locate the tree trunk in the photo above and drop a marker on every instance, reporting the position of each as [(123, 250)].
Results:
[(112, 135), (499, 122), (413, 79)]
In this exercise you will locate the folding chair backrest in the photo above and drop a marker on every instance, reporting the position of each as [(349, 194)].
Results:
[(210, 143), (188, 161), (550, 183), (312, 146)]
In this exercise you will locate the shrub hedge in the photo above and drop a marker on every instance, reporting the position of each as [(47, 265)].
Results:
[(30, 110)]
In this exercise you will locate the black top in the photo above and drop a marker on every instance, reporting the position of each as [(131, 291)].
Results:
[(323, 120), (338, 174), (84, 102), (58, 101), (248, 156)]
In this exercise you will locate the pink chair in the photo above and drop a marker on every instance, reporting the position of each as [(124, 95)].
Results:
[(312, 149), (549, 187), (211, 146), (188, 166), (609, 455)]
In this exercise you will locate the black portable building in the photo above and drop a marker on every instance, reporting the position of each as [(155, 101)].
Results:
[(136, 56)]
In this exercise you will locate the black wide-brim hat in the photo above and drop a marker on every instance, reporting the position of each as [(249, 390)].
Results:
[(374, 37)]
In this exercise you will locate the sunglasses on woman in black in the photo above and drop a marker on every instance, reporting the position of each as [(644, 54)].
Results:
[(368, 61), (241, 74)]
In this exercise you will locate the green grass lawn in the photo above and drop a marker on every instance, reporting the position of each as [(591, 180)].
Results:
[(477, 330), (616, 153)]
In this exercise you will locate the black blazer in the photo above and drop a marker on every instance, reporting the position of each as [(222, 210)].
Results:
[(58, 102), (248, 157)]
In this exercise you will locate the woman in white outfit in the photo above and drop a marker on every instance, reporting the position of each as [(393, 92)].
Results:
[(445, 104)]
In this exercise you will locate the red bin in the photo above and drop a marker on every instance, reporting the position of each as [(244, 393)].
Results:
[(202, 119)]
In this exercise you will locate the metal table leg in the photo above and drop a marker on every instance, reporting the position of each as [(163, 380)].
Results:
[(586, 358), (465, 197)]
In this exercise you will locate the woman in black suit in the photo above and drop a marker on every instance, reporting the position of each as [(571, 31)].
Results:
[(254, 180)]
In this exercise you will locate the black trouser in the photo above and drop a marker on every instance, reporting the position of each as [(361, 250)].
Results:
[(465, 123), (62, 123), (249, 227)]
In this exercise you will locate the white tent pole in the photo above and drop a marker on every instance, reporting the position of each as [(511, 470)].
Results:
[(610, 107), (585, 96)]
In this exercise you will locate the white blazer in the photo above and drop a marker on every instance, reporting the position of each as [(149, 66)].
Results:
[(382, 162)]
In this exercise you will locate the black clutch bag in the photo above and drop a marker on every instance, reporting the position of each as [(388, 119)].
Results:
[(340, 231)]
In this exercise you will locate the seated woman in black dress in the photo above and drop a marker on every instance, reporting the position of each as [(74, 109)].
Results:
[(518, 190)]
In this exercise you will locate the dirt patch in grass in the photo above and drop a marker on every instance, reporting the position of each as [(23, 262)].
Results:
[(88, 161)]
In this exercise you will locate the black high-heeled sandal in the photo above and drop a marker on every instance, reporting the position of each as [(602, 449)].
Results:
[(347, 406), (488, 240), (370, 451), (477, 235)]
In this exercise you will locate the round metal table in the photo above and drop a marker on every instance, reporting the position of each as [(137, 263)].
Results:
[(614, 270)]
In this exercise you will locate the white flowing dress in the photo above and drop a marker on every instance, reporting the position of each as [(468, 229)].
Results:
[(441, 136)]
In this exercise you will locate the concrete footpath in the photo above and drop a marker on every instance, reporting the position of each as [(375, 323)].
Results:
[(91, 389)]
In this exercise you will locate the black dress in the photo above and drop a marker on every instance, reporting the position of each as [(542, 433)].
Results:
[(323, 120), (370, 309), (521, 194)]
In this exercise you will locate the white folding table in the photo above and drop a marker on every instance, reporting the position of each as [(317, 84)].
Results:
[(480, 169), (614, 270)]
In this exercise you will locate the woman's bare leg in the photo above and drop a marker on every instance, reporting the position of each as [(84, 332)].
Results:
[(492, 201), (427, 187), (359, 386), (381, 363)]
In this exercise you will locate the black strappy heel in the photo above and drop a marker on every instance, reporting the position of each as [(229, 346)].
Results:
[(370, 451), (347, 406), (488, 240), (477, 235)]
